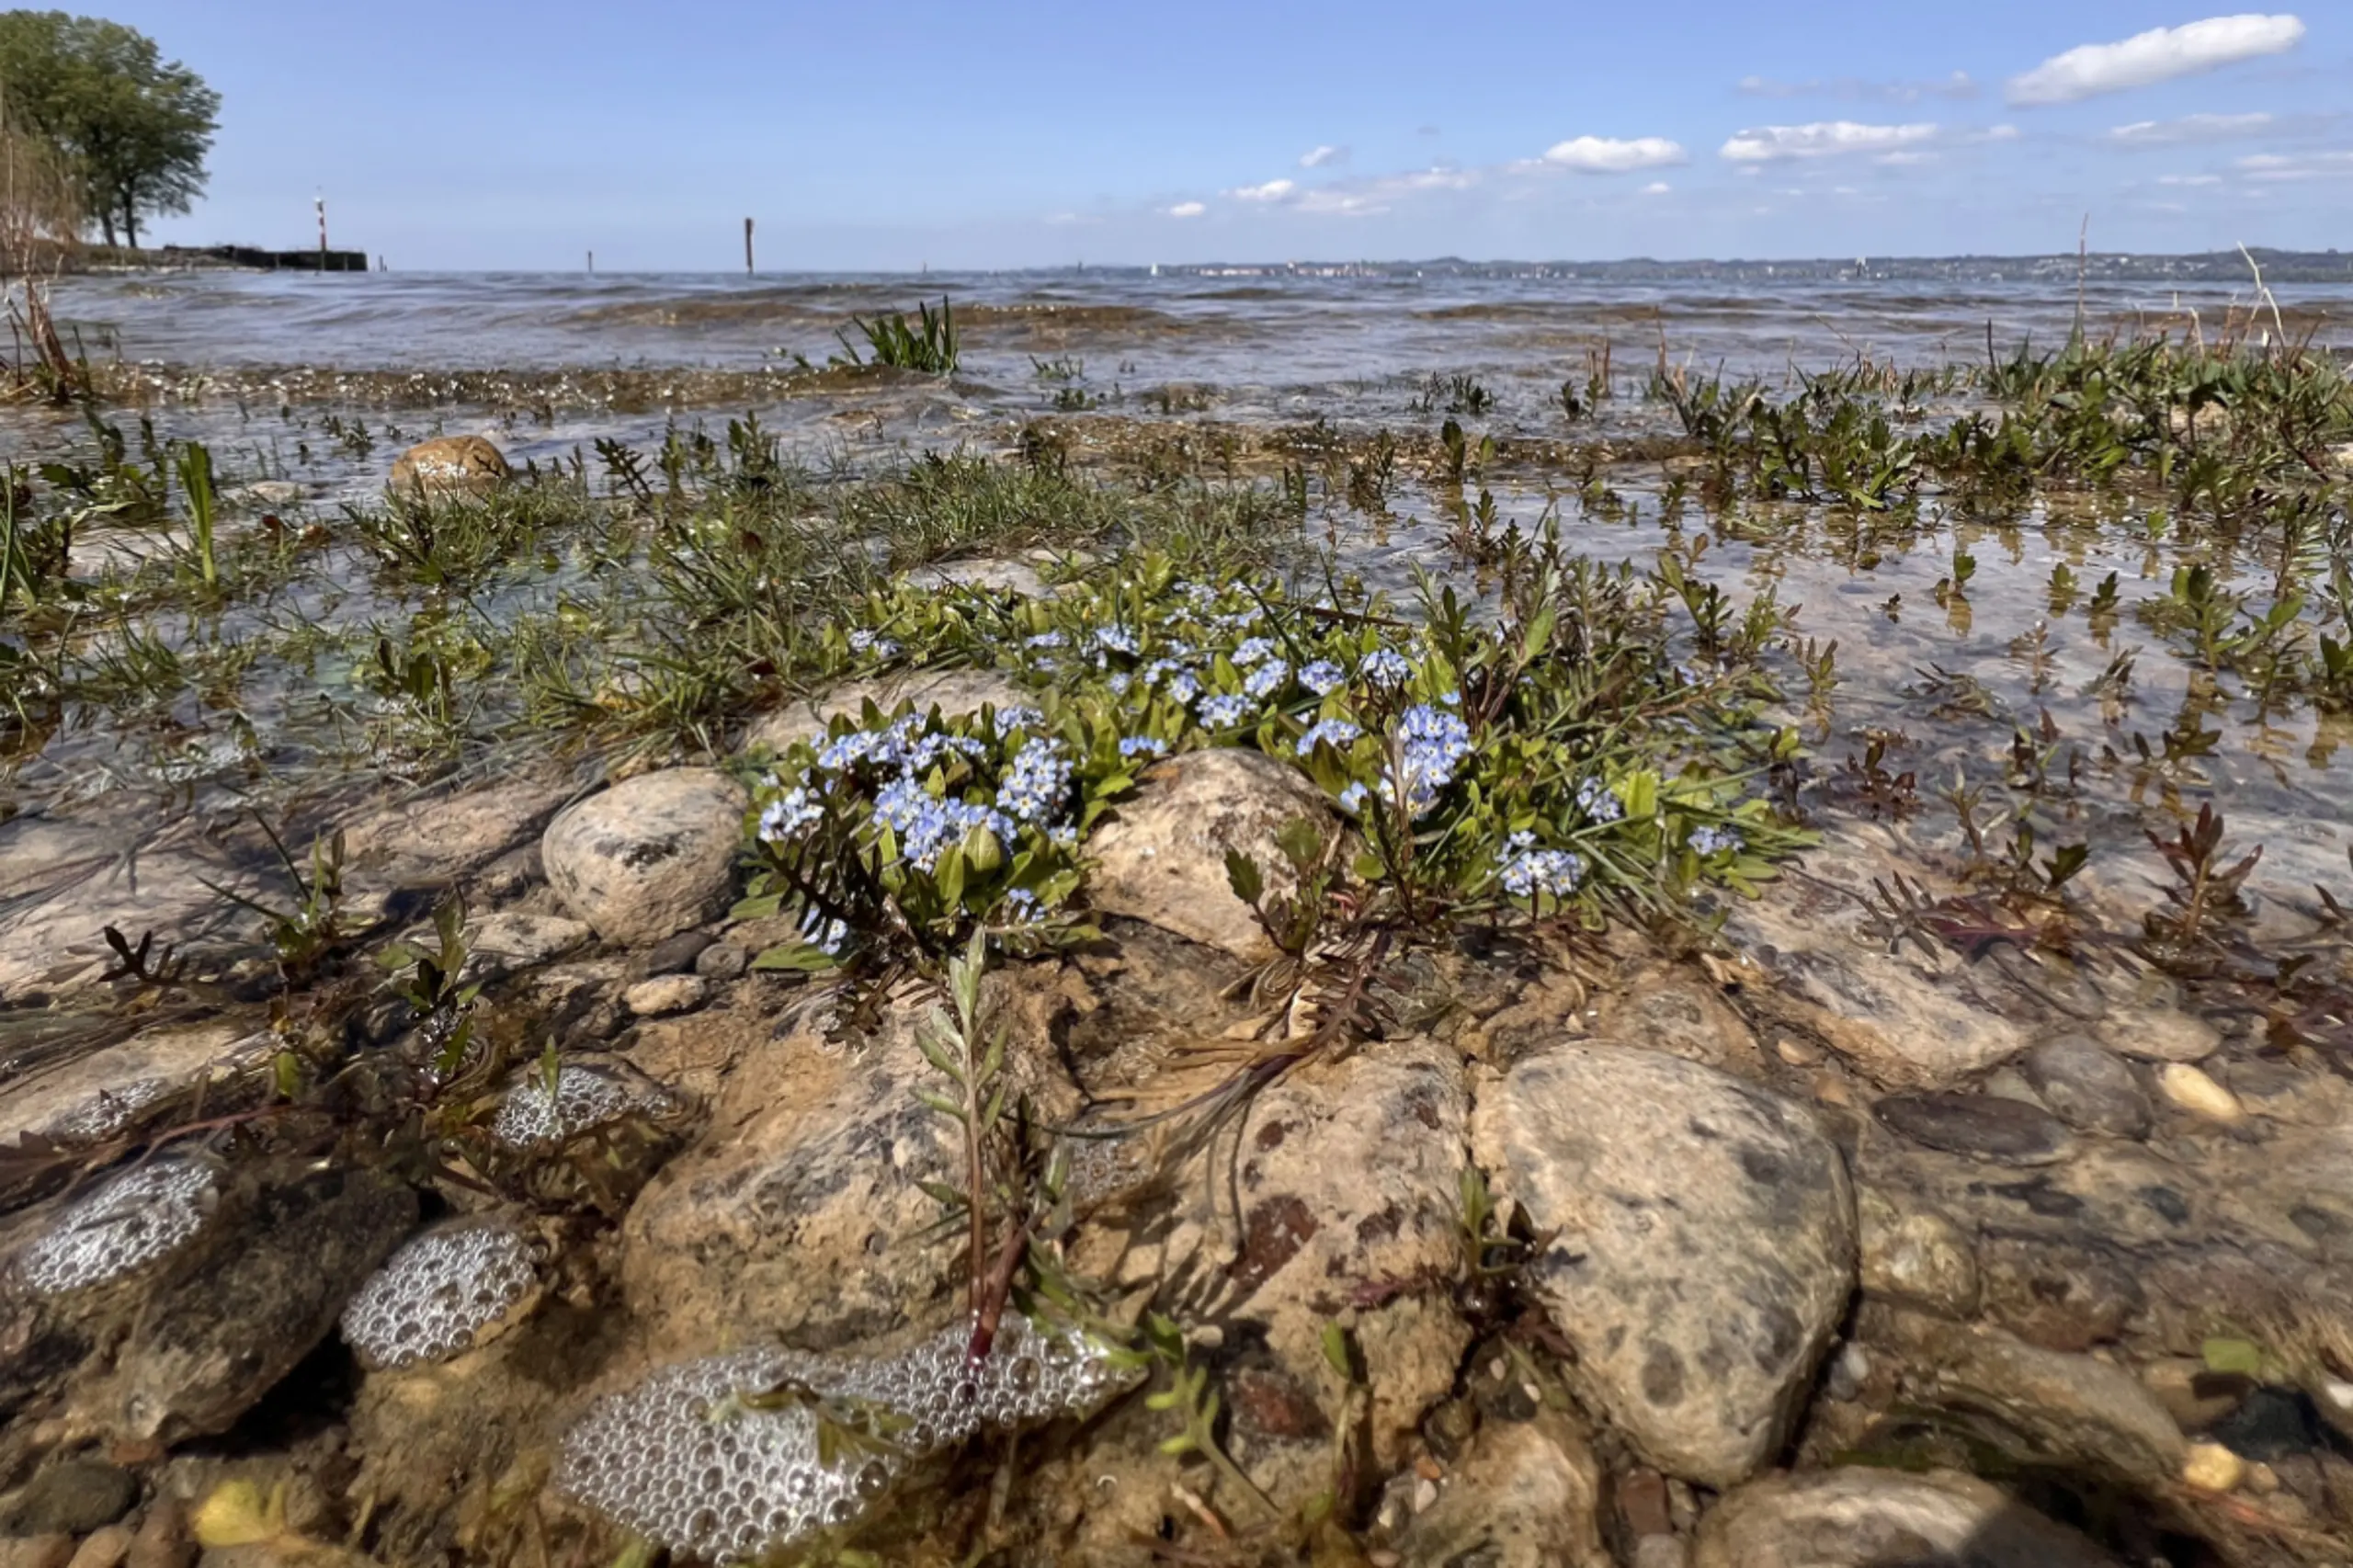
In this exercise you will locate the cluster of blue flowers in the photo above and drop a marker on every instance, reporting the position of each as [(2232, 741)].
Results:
[(1321, 676), (926, 826), (1037, 788), (1226, 712), (874, 643), (1145, 746), (1385, 667), (1337, 734), (790, 814), (1531, 870), (1267, 679), (1256, 651), (1598, 801), (1433, 744), (1715, 840)]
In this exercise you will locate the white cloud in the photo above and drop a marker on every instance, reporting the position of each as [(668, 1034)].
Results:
[(1610, 155), (1321, 157), (1187, 210), (2274, 167), (2190, 128), (1656, 187), (2189, 179), (1273, 190), (1769, 143), (1957, 86), (2158, 55)]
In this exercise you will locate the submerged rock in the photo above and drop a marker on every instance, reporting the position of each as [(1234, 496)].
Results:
[(1704, 1243), (2076, 1410), (90, 1097), (449, 465), (1913, 1255), (801, 1210), (2087, 1086), (739, 1455), (953, 692), (1986, 1127), (1862, 1518), (445, 1291), (1906, 1018), (650, 856), (1346, 1175), (1160, 858), (219, 1335), (1524, 1494)]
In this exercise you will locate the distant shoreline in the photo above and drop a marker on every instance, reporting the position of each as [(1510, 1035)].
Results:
[(213, 258), (2230, 267)]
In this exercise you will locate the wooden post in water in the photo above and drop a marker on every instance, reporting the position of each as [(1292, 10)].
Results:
[(747, 247), (321, 202), (592, 264)]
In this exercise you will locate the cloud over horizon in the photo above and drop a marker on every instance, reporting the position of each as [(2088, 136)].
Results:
[(1823, 138), (1958, 86), (2161, 55), (1323, 156)]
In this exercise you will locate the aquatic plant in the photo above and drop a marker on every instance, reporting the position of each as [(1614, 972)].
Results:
[(930, 346)]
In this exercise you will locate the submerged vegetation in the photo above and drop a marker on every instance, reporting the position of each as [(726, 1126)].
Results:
[(1592, 709)]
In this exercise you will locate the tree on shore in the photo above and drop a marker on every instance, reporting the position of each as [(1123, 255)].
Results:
[(133, 128)]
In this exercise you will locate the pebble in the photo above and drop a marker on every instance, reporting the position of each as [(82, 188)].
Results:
[(2087, 1086), (721, 960), (2261, 1479), (163, 1541), (2005, 1132), (1662, 1551), (2211, 1467), (103, 1549), (1426, 1494), (676, 954), (2198, 1094), (666, 994), (1797, 1052)]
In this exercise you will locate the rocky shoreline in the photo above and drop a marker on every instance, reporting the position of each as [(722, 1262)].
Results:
[(1767, 1228), (1143, 1061)]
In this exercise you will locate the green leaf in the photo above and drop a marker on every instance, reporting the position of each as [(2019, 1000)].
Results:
[(797, 958), (1335, 1350), (1243, 875)]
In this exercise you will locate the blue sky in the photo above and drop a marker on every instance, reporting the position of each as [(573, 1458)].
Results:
[(892, 134)]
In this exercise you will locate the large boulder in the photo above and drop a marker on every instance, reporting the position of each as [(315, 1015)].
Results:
[(1859, 1517), (1346, 1176), (649, 857), (449, 465), (800, 1212), (1702, 1243), (1161, 856)]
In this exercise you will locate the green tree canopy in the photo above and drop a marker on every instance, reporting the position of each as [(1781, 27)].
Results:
[(135, 127)]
